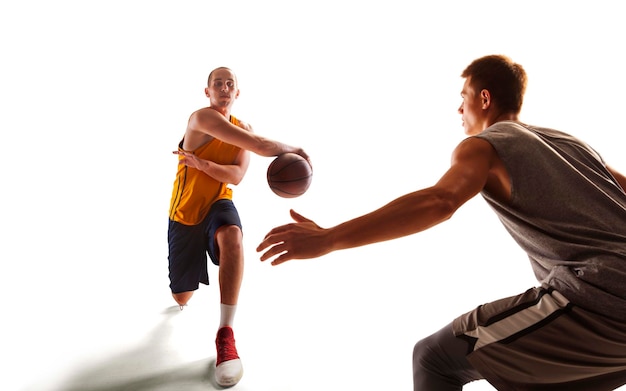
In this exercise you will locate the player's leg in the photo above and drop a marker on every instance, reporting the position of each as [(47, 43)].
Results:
[(182, 297), (540, 341), (439, 363), (187, 260), (226, 250), (229, 240)]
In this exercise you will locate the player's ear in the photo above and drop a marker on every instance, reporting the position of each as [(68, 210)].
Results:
[(237, 94), (485, 99), (206, 91)]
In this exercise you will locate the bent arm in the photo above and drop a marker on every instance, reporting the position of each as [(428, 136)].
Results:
[(231, 173), (227, 173), (209, 121)]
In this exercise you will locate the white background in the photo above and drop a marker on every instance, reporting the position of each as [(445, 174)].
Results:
[(94, 96)]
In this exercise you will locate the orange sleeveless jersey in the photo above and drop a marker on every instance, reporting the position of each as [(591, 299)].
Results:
[(194, 191)]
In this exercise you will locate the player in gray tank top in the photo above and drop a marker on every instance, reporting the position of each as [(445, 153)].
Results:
[(567, 211), (561, 203)]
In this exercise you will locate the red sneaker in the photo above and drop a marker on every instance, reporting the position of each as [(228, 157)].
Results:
[(228, 368)]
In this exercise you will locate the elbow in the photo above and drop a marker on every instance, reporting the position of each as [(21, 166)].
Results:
[(446, 205), (237, 177), (444, 212), (451, 205)]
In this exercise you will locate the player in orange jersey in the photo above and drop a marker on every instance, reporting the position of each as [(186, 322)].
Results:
[(213, 153)]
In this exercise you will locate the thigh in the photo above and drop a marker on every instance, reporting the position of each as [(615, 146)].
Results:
[(187, 257), (222, 213), (538, 340)]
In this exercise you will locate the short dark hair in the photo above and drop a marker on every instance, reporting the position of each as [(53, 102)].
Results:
[(208, 82), (503, 78)]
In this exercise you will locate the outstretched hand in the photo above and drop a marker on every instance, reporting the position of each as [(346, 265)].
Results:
[(300, 240)]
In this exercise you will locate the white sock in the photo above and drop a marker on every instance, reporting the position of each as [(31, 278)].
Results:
[(227, 315)]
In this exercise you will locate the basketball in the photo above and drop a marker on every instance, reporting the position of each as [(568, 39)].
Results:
[(289, 175)]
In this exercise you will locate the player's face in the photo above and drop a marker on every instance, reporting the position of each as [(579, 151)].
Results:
[(222, 90), (471, 109)]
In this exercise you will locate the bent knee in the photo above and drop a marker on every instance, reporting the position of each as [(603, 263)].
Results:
[(440, 359), (183, 297), (428, 356), (229, 236), (421, 355)]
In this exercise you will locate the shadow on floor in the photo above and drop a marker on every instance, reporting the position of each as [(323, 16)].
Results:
[(189, 377), (153, 365)]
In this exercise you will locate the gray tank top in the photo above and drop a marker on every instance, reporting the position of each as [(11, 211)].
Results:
[(567, 212)]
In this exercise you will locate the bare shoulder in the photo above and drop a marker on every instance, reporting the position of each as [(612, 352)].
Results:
[(206, 120), (480, 159), (198, 128), (472, 146), (204, 113)]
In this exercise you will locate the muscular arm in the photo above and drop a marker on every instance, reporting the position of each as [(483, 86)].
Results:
[(210, 122), (406, 215), (422, 209), (227, 173)]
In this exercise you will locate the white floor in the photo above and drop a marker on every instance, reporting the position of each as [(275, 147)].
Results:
[(140, 347), (97, 315), (102, 319), (95, 97), (344, 322)]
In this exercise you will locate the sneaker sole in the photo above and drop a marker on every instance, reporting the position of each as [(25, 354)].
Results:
[(229, 373)]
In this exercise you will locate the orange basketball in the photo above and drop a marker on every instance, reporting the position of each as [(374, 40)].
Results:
[(289, 175)]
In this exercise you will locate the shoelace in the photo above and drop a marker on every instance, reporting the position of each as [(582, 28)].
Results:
[(226, 349)]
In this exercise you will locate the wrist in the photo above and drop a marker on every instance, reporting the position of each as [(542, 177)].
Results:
[(332, 240), (205, 166)]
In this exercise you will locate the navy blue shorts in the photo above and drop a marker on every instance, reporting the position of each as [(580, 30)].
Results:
[(189, 245)]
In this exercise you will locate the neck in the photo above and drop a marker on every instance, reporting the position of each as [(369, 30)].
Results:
[(504, 117), (224, 110)]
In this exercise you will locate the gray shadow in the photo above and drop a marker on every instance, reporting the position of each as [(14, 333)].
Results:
[(151, 366), (194, 376)]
